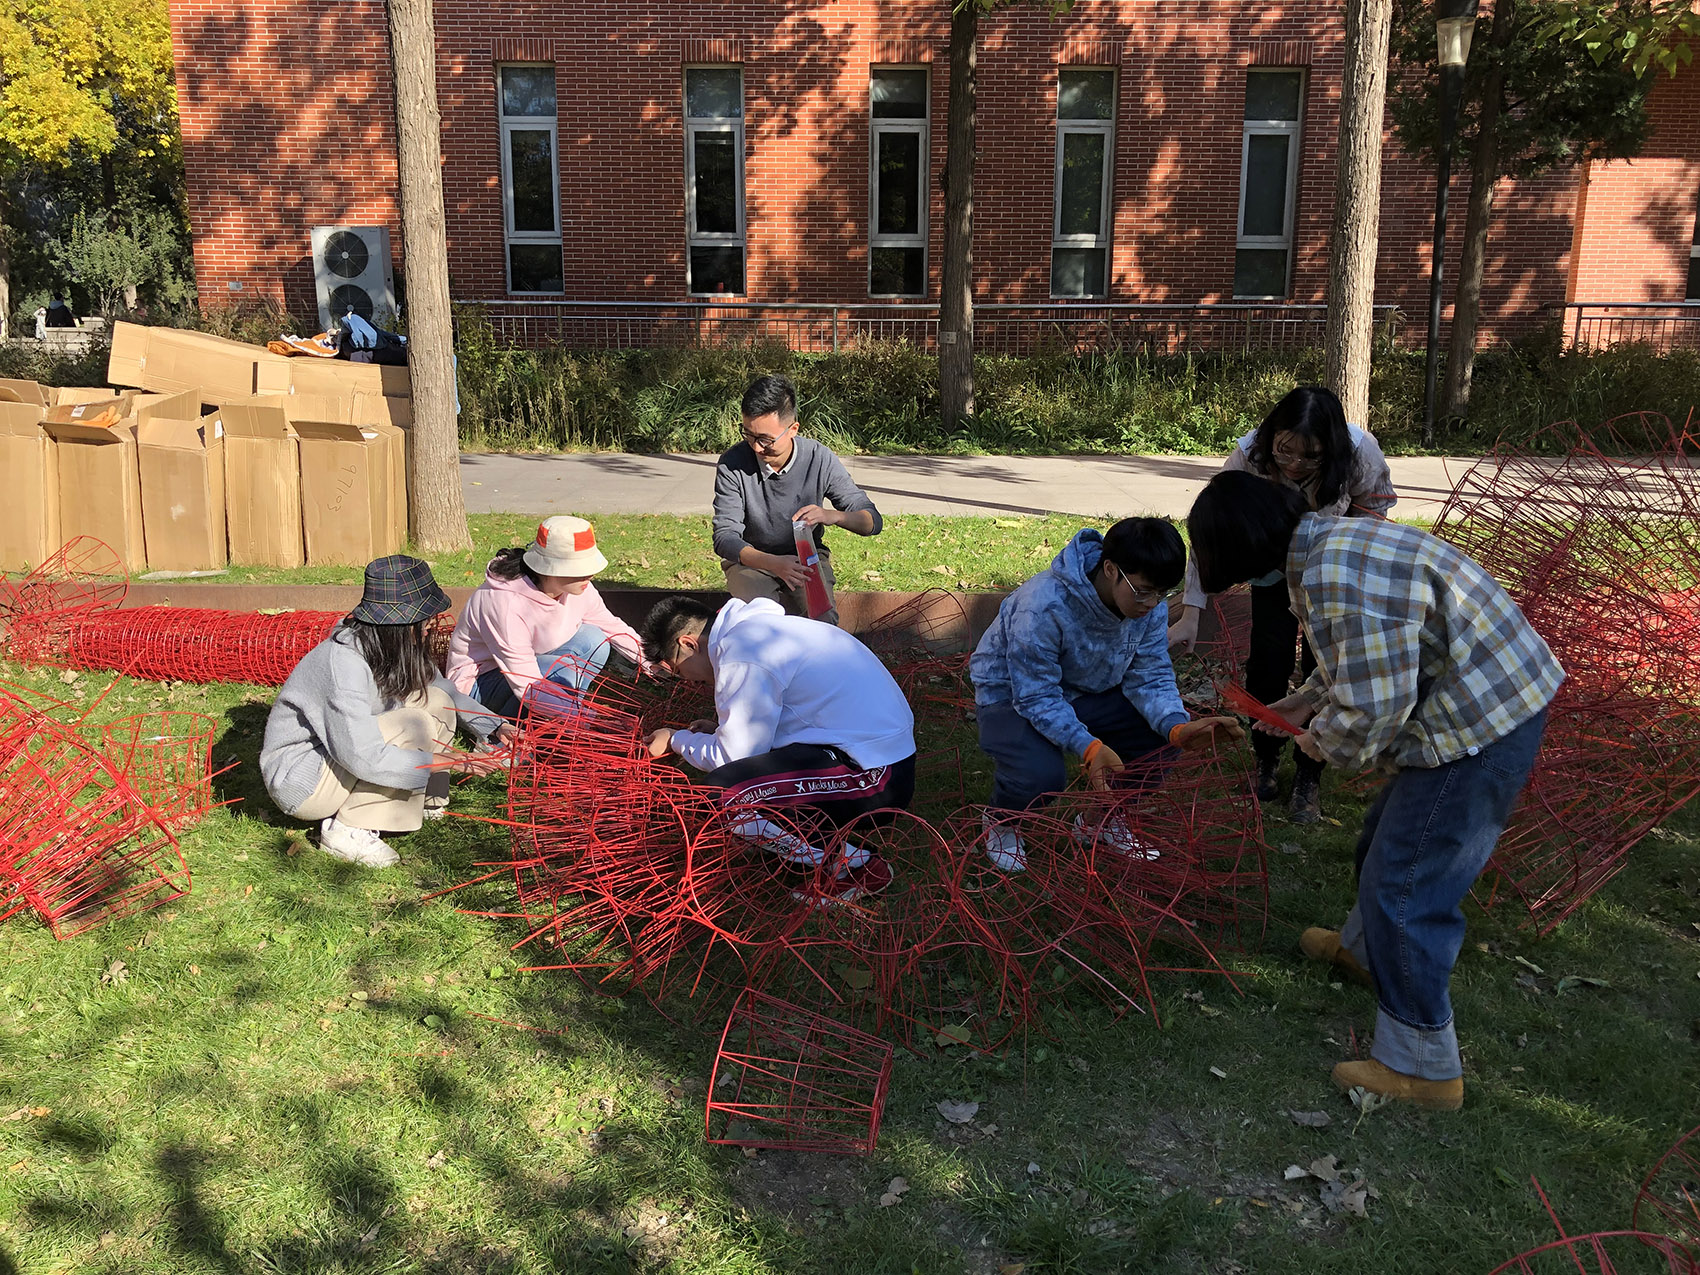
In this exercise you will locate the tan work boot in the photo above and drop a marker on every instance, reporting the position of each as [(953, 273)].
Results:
[(1324, 945), (1433, 1095)]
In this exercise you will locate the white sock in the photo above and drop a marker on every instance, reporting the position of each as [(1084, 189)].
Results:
[(770, 836)]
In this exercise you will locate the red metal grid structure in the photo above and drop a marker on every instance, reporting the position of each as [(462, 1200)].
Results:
[(1603, 555), (1669, 1200), (798, 1081), (89, 816), (1604, 1253)]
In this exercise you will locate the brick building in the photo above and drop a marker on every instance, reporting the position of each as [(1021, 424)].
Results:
[(794, 152)]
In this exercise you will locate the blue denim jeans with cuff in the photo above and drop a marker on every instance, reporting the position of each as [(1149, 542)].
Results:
[(573, 664), (1425, 841), (1030, 767)]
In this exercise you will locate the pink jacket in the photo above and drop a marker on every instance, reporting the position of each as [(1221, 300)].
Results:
[(507, 622)]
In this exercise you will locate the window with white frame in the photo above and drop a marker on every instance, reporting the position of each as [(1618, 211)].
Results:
[(1693, 293), (1269, 164), (897, 183), (1080, 234), (531, 186), (714, 178)]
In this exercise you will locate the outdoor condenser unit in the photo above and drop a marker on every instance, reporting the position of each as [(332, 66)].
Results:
[(352, 271)]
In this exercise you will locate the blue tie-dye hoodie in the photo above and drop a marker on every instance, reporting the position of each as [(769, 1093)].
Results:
[(1054, 640)]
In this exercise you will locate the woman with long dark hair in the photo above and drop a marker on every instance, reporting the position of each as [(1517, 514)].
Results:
[(1424, 663), (351, 740), (1305, 445), (538, 616)]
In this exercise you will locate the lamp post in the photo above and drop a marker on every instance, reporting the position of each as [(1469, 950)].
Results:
[(1455, 23)]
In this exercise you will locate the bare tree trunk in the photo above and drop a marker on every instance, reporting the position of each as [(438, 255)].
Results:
[(956, 299), (1350, 331), (5, 270), (1467, 303), (438, 515)]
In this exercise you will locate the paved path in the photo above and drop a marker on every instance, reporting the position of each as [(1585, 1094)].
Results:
[(603, 483)]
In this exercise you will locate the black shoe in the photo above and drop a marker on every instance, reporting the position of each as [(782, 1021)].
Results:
[(1268, 786), (1306, 803)]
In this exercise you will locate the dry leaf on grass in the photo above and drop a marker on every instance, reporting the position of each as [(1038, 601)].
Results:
[(958, 1112), (1312, 1119), (115, 973)]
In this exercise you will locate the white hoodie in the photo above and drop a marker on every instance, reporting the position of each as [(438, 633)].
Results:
[(782, 679)]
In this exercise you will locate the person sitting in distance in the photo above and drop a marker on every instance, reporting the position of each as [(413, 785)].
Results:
[(766, 482)]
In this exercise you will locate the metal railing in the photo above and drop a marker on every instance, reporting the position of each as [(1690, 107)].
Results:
[(999, 328), (1663, 325)]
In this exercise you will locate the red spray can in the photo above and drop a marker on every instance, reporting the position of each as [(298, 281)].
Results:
[(814, 588)]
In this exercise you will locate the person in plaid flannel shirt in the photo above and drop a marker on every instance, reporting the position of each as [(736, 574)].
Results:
[(1424, 664)]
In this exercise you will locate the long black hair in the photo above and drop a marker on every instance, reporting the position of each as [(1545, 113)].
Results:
[(1241, 526), (399, 656), (510, 564), (1314, 414)]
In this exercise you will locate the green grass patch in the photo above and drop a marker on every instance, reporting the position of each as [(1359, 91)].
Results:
[(668, 551), (297, 1070)]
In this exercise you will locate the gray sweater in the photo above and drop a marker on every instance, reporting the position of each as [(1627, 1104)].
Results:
[(753, 507), (328, 709)]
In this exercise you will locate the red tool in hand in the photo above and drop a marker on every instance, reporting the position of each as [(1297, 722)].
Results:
[(1242, 701)]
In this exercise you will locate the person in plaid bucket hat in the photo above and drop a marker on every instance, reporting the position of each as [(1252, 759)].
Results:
[(358, 725), (537, 623)]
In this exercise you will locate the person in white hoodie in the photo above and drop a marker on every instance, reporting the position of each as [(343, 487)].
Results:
[(537, 616), (810, 721)]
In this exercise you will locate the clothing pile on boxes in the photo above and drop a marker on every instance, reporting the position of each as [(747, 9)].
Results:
[(206, 451)]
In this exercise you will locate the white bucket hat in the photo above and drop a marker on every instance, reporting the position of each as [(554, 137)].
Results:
[(566, 546)]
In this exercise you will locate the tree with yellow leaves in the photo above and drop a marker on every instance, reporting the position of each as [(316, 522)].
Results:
[(80, 81)]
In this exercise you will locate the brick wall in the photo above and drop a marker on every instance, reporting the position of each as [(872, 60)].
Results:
[(287, 123)]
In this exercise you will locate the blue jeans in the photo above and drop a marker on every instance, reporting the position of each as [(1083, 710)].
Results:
[(1424, 842), (1030, 767), (588, 649)]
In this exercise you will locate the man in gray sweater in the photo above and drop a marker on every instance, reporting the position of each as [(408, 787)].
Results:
[(766, 482)]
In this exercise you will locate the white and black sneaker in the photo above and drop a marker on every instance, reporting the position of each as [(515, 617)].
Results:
[(1115, 836)]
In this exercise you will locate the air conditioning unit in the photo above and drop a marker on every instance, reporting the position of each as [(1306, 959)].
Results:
[(352, 271)]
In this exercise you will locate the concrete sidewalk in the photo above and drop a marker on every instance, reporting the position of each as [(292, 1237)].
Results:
[(1096, 486)]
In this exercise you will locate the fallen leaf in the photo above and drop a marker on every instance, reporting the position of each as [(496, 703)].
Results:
[(1032, 1167), (19, 1114), (1327, 1168), (1294, 1172), (325, 1024), (434, 1022), (954, 1035), (1570, 982), (1210, 1011), (1338, 1197), (888, 1199), (115, 973), (436, 1159), (872, 575), (957, 1112), (359, 996), (1218, 1073), (944, 571), (39, 1112), (69, 675), (195, 970), (1367, 1100), (1014, 1268), (898, 1186), (1528, 965), (247, 890), (858, 979), (1312, 1119), (1194, 997)]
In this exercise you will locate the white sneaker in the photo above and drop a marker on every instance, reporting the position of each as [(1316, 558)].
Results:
[(1004, 847), (1114, 835), (357, 845), (766, 835), (436, 807)]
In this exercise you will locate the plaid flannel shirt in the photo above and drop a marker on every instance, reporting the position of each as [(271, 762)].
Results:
[(1421, 656)]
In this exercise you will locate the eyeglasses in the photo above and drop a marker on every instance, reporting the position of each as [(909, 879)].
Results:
[(1298, 460), (1147, 597), (763, 444)]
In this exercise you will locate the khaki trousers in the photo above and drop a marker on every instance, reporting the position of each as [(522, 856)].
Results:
[(747, 584), (427, 724)]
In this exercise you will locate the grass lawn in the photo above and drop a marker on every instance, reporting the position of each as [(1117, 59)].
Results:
[(915, 551), (298, 1069)]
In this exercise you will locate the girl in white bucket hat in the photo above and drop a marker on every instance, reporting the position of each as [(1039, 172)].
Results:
[(538, 616)]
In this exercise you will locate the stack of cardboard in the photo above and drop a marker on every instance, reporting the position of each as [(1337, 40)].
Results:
[(208, 451)]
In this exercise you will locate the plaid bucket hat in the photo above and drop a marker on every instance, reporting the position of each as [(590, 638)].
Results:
[(399, 590)]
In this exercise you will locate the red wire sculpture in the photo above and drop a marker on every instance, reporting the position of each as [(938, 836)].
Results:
[(788, 1079), (1671, 1194)]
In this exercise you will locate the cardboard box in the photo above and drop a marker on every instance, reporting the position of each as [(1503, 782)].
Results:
[(262, 484), (174, 359), (349, 494), (76, 395), (30, 392), (30, 530), (181, 460), (100, 491), (336, 377)]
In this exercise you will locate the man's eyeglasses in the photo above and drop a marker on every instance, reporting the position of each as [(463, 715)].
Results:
[(1146, 597), (762, 443)]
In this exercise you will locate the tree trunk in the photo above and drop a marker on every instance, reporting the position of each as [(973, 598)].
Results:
[(956, 299), (1350, 333), (1467, 302), (438, 515), (5, 269)]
